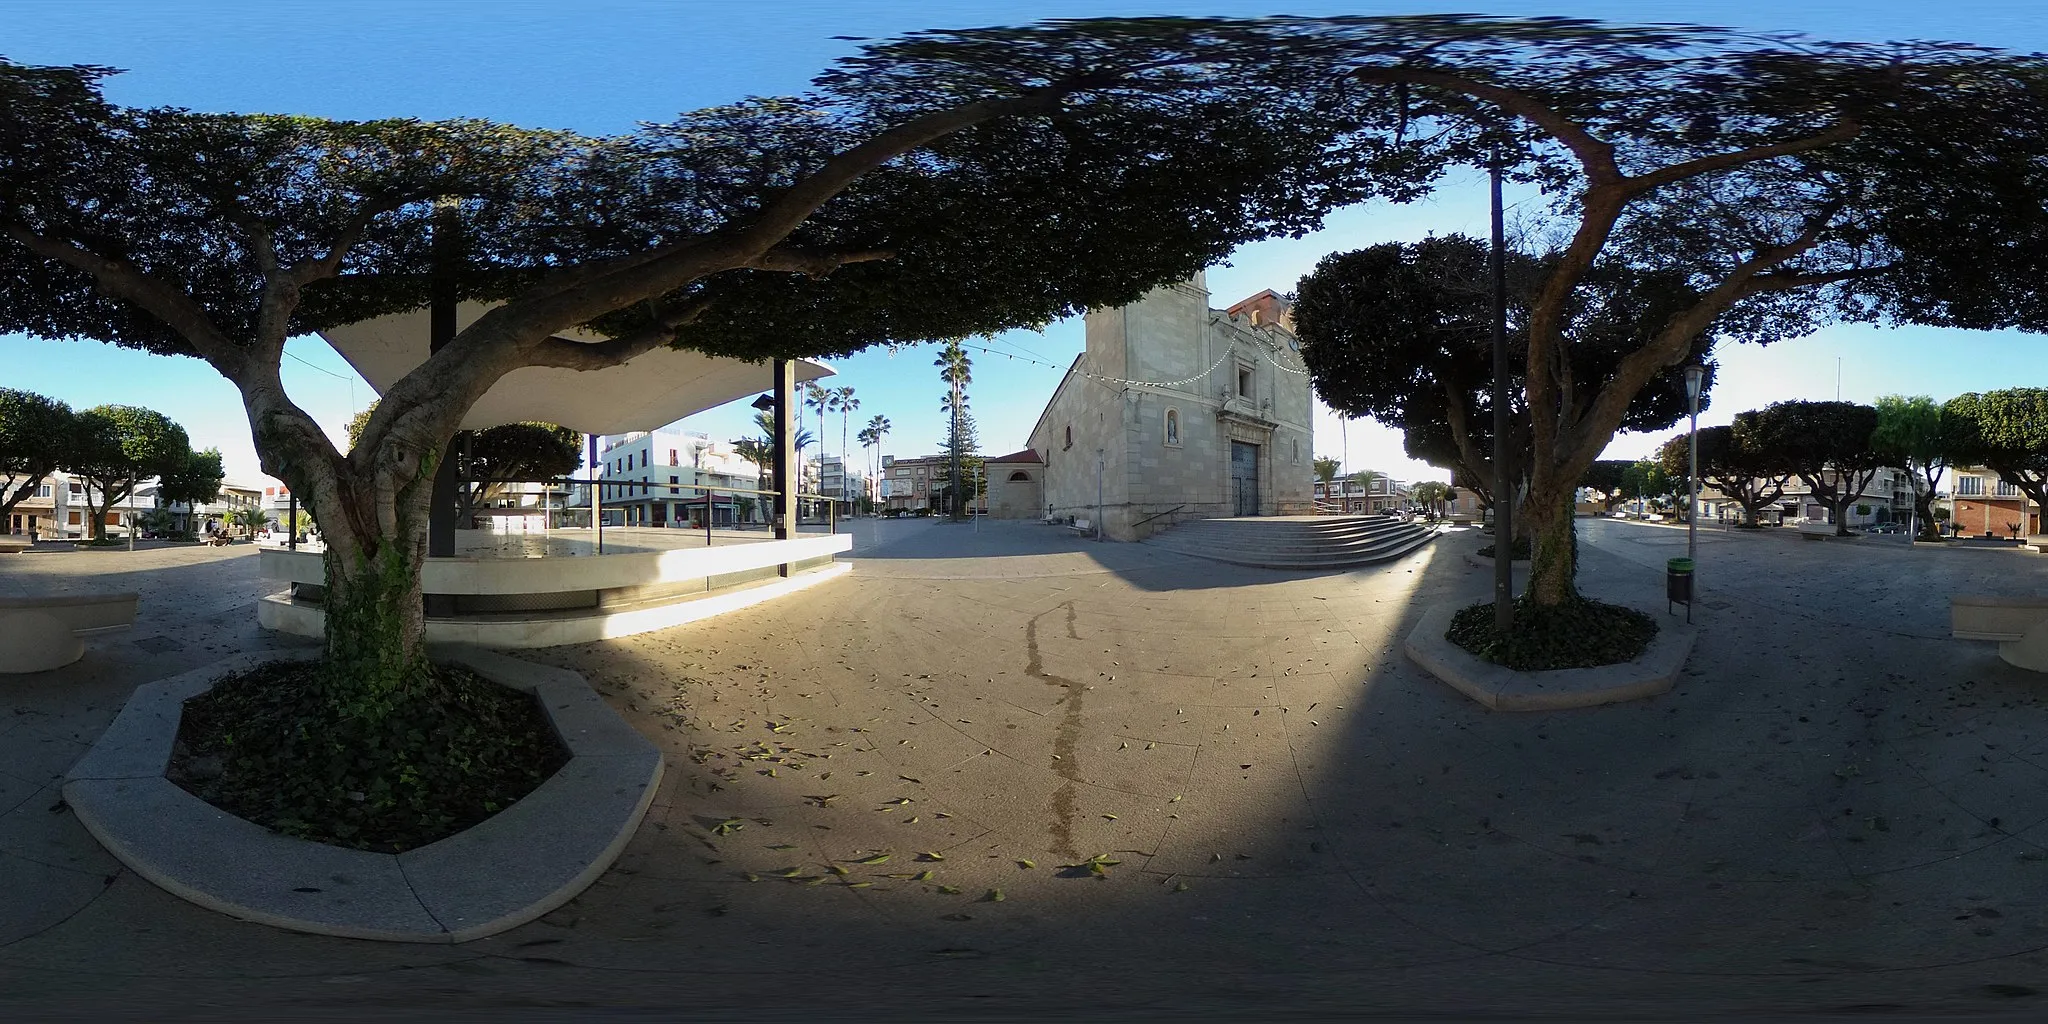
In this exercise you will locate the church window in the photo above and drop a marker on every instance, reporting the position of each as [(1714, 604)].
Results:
[(1244, 382), (1173, 428), (1020, 475), (1070, 437)]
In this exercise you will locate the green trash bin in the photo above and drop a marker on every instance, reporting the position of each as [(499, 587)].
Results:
[(1678, 582)]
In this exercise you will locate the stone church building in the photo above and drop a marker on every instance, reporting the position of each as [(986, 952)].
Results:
[(1172, 411)]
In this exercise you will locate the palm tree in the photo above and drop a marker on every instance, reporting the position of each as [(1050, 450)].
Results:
[(817, 398), (761, 450), (878, 429), (957, 371), (1366, 478), (843, 400)]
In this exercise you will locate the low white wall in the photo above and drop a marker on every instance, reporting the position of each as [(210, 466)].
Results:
[(278, 612), (578, 572)]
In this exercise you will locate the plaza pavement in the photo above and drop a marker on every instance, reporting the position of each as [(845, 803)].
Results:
[(1837, 809)]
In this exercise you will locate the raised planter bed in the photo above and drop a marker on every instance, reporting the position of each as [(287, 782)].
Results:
[(519, 864), (1504, 689)]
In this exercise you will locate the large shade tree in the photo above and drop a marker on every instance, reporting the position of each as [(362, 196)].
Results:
[(1402, 333), (1916, 429), (955, 185), (194, 480), (1829, 446), (1608, 476), (116, 447), (1787, 181), (2004, 431), (1731, 460), (36, 434)]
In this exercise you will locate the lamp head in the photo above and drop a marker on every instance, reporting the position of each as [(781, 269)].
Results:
[(1695, 376)]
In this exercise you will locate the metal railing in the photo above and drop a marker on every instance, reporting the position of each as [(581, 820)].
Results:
[(1156, 515), (634, 491)]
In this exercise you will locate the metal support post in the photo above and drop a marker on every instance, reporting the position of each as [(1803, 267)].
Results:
[(785, 461), (1503, 494)]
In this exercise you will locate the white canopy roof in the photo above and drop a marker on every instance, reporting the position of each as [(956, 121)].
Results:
[(649, 391)]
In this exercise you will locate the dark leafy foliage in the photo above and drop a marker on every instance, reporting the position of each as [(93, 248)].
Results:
[(1577, 634), (1735, 461), (1402, 333), (2005, 431), (36, 437), (455, 750)]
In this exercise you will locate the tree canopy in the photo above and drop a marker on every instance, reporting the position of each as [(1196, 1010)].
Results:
[(118, 446), (1829, 446), (194, 480), (1402, 332), (1918, 431), (2005, 431), (36, 436), (1732, 461), (1609, 477)]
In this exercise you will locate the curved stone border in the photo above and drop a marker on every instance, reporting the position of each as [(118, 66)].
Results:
[(1504, 689), (521, 863)]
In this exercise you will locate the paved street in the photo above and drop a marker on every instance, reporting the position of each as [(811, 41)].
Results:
[(1837, 808)]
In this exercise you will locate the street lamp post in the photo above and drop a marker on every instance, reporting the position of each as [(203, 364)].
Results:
[(1695, 376)]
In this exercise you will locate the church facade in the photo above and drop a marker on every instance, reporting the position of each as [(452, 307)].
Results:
[(1172, 411)]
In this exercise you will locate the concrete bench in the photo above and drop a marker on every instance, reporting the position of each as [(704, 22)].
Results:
[(41, 633), (13, 545), (2018, 624)]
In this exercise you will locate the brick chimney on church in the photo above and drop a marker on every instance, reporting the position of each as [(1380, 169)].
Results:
[(1266, 309)]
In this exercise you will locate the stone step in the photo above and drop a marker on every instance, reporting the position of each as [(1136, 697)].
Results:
[(1284, 540), (1242, 544), (1312, 564), (1233, 528)]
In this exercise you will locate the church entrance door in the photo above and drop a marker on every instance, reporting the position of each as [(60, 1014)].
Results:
[(1244, 477)]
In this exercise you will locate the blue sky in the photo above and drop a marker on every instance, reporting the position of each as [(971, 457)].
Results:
[(600, 67)]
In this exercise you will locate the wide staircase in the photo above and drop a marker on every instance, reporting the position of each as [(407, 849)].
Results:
[(1297, 542)]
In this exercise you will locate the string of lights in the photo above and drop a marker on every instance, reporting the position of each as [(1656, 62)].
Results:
[(317, 366), (1283, 366), (1155, 383)]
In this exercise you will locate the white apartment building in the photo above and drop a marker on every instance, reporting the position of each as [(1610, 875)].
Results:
[(675, 478), (57, 509), (1352, 496)]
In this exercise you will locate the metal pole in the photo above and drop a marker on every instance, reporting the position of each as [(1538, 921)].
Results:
[(596, 500), (1503, 501), (131, 512), (787, 467), (1692, 479), (291, 526)]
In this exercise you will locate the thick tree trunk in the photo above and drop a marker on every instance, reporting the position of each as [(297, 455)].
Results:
[(1554, 554), (1839, 508), (376, 622)]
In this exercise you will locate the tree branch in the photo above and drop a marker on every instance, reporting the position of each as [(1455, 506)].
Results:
[(124, 280), (328, 264), (1787, 282), (1595, 156), (1722, 161), (816, 264), (576, 355)]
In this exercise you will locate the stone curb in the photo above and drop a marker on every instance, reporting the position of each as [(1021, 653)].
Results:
[(514, 867), (1504, 689), (1482, 562)]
